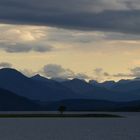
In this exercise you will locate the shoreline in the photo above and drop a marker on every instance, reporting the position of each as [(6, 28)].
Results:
[(60, 116)]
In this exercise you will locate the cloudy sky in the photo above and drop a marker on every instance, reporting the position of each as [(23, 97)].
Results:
[(89, 39)]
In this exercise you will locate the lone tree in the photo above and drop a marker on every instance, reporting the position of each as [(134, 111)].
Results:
[(61, 109)]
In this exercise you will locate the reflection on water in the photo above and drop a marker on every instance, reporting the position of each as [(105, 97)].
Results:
[(72, 128)]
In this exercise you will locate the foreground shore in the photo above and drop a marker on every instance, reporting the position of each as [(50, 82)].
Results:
[(59, 116)]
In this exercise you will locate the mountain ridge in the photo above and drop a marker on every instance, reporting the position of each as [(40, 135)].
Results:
[(44, 89), (76, 94)]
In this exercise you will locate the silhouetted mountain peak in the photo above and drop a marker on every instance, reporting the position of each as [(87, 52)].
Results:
[(36, 76), (123, 81), (39, 77), (78, 86), (108, 84), (10, 73), (94, 82), (8, 70), (78, 80), (44, 89)]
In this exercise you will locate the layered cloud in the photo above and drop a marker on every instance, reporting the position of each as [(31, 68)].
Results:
[(99, 15), (135, 72), (57, 71), (80, 34), (21, 38), (16, 39), (101, 74), (20, 48)]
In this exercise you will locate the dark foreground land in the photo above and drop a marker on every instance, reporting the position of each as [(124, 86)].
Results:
[(59, 116)]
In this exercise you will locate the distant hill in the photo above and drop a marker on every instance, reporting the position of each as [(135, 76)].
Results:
[(122, 85), (42, 90), (106, 84), (94, 105), (12, 102), (78, 86), (126, 85), (18, 92), (99, 91)]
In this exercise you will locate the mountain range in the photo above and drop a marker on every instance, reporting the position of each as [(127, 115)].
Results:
[(12, 102), (18, 92)]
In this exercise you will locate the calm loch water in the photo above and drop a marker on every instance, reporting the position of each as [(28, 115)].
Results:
[(127, 128)]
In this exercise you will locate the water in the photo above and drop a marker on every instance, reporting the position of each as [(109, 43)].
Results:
[(72, 128)]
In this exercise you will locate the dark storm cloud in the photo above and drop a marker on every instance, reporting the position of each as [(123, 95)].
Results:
[(99, 15)]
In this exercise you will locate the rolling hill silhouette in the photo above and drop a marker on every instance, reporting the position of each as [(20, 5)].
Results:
[(12, 102), (31, 88), (99, 91), (79, 94), (94, 105)]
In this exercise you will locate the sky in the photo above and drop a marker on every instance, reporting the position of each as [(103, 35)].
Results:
[(86, 39)]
